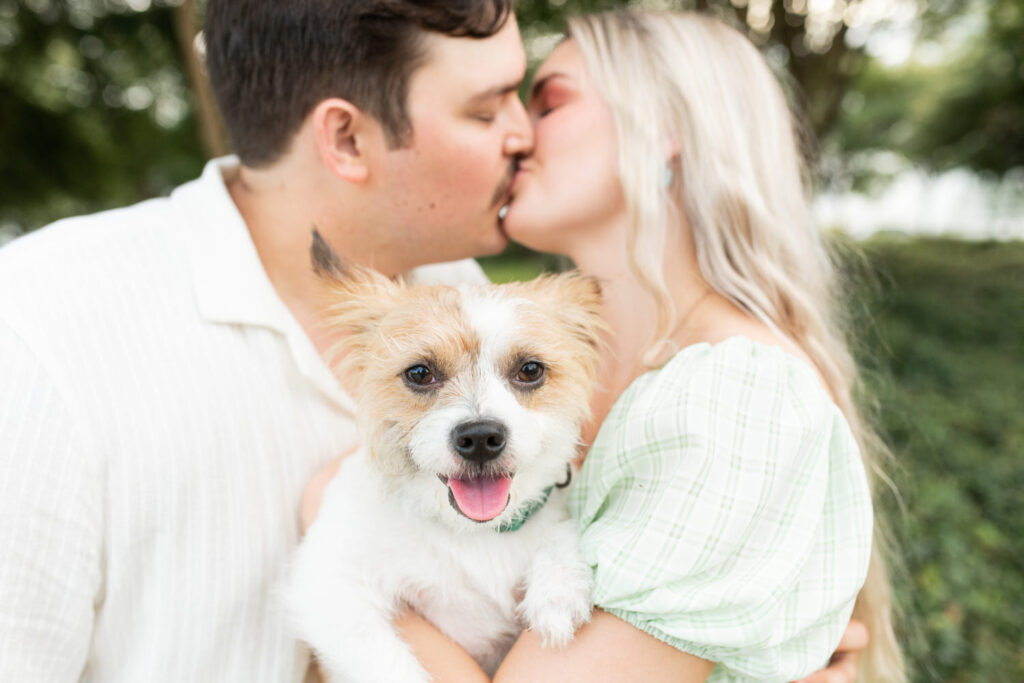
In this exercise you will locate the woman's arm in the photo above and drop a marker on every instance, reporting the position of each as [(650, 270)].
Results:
[(627, 654), (444, 659), (623, 653), (605, 649)]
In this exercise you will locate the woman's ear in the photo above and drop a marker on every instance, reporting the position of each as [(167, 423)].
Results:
[(344, 137)]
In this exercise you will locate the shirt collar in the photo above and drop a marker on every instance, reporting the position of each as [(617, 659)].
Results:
[(230, 284), (227, 275)]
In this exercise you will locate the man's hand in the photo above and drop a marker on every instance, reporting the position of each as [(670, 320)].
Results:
[(842, 668), (315, 490)]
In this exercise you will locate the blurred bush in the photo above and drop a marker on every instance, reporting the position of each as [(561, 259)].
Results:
[(947, 366)]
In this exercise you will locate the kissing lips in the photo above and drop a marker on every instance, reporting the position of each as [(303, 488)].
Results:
[(501, 194), (481, 499)]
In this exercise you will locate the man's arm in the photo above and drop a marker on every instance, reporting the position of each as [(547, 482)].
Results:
[(50, 525)]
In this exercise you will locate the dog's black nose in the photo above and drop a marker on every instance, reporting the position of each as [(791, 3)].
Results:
[(480, 440)]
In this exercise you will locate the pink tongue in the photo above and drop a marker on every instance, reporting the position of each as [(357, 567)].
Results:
[(481, 499)]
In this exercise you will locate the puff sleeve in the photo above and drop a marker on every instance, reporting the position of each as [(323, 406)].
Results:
[(724, 509)]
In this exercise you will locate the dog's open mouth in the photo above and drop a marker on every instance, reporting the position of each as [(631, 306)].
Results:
[(482, 498)]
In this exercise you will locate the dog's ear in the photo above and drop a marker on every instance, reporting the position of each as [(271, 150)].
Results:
[(355, 298), (577, 297)]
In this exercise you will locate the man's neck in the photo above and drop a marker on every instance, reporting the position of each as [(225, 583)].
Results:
[(280, 217)]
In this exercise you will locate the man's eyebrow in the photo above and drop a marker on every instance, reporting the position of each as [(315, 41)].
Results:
[(496, 91), (539, 85)]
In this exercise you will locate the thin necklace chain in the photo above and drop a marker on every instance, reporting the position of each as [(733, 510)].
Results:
[(666, 348)]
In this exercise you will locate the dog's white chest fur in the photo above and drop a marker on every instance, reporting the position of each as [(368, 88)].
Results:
[(369, 555)]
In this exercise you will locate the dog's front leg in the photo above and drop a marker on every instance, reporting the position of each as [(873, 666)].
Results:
[(558, 588), (339, 608), (362, 650), (348, 626)]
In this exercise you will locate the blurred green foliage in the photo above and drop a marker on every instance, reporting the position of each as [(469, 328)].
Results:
[(940, 336), (964, 110), (948, 372), (517, 263), (94, 109)]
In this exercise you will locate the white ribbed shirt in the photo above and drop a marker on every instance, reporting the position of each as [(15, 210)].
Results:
[(161, 411)]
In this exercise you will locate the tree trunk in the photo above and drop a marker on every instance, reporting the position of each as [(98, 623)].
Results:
[(211, 127)]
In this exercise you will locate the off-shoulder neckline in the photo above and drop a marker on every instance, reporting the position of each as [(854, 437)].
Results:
[(780, 354)]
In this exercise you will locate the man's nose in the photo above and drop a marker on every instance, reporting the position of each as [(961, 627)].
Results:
[(519, 140)]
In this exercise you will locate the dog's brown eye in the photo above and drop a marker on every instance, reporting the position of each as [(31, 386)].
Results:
[(419, 375), (530, 372)]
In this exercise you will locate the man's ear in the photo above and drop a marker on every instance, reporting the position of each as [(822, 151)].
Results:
[(344, 136)]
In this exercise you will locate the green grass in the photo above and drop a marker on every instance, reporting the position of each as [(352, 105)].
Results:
[(941, 338), (518, 263), (510, 270)]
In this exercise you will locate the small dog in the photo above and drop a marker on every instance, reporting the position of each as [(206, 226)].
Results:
[(471, 403)]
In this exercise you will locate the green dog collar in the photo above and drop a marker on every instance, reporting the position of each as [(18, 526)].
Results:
[(520, 519)]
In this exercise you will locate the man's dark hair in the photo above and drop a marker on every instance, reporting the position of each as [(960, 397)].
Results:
[(272, 61)]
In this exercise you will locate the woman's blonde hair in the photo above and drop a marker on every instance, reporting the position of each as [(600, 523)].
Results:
[(684, 80)]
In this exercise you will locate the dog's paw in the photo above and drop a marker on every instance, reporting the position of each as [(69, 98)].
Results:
[(554, 609)]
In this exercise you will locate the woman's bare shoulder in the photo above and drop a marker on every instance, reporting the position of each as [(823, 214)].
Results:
[(723, 321)]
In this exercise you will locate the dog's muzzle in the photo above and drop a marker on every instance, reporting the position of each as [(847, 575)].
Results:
[(479, 492)]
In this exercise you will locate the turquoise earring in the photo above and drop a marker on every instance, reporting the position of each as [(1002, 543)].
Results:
[(667, 177)]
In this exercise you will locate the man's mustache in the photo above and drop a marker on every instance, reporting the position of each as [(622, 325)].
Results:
[(506, 183)]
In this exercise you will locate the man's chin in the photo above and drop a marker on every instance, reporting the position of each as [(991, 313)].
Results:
[(490, 245), (490, 240), (497, 244), (487, 240)]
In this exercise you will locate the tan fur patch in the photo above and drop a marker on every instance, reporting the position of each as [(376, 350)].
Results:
[(560, 326)]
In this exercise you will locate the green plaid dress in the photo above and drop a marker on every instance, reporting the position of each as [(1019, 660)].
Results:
[(725, 510)]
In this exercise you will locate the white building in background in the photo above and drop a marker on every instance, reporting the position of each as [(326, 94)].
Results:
[(957, 203)]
